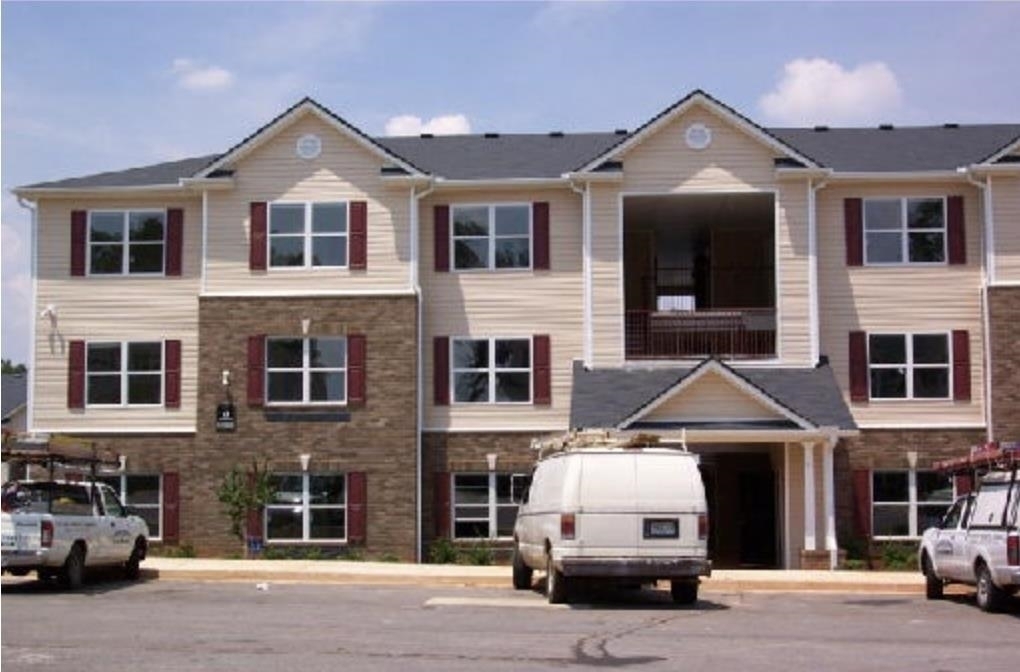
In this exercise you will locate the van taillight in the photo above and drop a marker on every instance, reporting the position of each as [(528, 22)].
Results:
[(46, 534), (1013, 549), (702, 526), (567, 526)]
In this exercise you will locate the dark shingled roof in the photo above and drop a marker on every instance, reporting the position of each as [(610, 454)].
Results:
[(14, 392), (161, 173), (602, 398)]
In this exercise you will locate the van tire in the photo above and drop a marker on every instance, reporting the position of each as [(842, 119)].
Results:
[(73, 572), (522, 573), (555, 583), (934, 589), (684, 591), (989, 596)]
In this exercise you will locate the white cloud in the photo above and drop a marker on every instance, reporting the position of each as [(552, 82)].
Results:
[(197, 77), (819, 91), (408, 124)]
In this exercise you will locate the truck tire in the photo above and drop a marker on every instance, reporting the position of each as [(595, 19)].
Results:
[(132, 568), (555, 583), (522, 573), (73, 572), (989, 596), (934, 588), (684, 591)]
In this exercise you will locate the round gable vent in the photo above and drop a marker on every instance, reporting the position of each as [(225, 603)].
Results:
[(309, 146), (698, 136)]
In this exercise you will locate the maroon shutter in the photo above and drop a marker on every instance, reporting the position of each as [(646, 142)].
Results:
[(358, 260), (955, 229), (862, 499), (76, 374), (174, 240), (357, 507), (540, 230), (441, 370), (853, 220), (256, 369), (257, 248), (442, 237), (542, 371), (171, 507), (964, 484), (441, 502), (356, 369), (79, 239), (858, 366), (172, 375), (961, 365)]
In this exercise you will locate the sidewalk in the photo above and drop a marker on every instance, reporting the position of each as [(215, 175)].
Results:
[(385, 573)]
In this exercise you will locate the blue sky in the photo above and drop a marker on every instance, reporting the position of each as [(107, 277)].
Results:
[(88, 87)]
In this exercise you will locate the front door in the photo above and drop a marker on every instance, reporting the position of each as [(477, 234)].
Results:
[(741, 493)]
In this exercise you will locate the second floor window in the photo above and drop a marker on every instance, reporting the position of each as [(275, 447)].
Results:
[(905, 231), (124, 374), (491, 236), (306, 235), (492, 370), (126, 242), (909, 366), (306, 370)]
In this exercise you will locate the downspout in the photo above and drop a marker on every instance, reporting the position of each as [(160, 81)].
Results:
[(415, 283), (586, 270), (988, 277), (205, 236), (33, 314), (813, 307)]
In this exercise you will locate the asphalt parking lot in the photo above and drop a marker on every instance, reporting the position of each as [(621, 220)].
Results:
[(177, 625)]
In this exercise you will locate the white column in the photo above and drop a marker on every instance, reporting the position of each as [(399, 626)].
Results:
[(830, 503), (809, 496)]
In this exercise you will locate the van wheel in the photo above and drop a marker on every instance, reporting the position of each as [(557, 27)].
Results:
[(555, 583), (522, 573), (933, 586), (684, 591), (989, 596), (73, 572)]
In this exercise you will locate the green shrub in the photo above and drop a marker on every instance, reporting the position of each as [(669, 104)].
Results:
[(899, 556), (442, 552), (182, 551), (389, 557), (478, 554)]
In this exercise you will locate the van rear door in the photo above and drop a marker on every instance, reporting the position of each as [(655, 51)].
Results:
[(670, 497), (607, 522)]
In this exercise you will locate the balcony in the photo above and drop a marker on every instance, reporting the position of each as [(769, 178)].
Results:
[(732, 333)]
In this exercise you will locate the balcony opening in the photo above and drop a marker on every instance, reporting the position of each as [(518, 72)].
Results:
[(699, 276)]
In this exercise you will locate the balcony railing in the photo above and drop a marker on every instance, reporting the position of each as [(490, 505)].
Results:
[(727, 333)]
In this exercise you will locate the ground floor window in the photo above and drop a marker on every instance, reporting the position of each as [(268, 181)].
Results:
[(307, 507), (143, 493), (485, 505), (906, 502)]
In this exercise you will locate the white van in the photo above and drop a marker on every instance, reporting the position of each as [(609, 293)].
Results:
[(633, 514)]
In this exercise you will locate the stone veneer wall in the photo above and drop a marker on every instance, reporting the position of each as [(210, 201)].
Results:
[(1004, 347)]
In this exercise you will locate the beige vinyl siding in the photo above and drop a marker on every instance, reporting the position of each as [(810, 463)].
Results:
[(1006, 212), (122, 308), (507, 303), (793, 301), (711, 397), (606, 276), (344, 171), (796, 511), (899, 299)]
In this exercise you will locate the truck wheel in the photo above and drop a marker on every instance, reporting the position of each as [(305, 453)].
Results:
[(684, 591), (555, 583), (132, 568), (989, 596), (933, 586), (73, 572), (522, 573)]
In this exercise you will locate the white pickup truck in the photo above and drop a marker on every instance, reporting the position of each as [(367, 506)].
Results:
[(977, 543), (58, 528)]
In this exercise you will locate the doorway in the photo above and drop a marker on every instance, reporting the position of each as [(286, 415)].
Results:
[(742, 492)]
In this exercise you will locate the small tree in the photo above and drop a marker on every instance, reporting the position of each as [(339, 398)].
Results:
[(242, 493)]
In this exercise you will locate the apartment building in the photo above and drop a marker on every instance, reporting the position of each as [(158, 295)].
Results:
[(392, 323)]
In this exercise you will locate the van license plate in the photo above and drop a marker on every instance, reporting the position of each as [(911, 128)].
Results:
[(662, 528)]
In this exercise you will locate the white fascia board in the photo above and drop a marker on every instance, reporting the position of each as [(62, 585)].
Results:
[(208, 183), (1008, 149), (921, 425), (61, 192), (595, 176), (692, 435), (442, 183), (536, 429), (115, 430), (894, 176), (993, 169)]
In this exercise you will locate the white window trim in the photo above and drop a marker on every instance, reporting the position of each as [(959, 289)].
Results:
[(306, 371), (306, 510), (904, 231), (307, 235), (492, 237), (125, 243), (493, 508), (912, 504), (492, 370), (124, 373), (909, 365), (122, 495)]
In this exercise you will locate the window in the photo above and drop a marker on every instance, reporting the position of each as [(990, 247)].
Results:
[(909, 366), (492, 370), (491, 236), (126, 242), (307, 507), (905, 230), (305, 235), (306, 370), (143, 493), (485, 505), (905, 503), (124, 374)]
